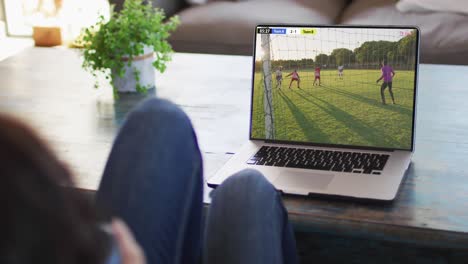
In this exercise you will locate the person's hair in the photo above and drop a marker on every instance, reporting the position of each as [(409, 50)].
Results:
[(385, 62), (43, 220)]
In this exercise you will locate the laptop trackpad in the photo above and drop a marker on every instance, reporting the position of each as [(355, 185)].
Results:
[(302, 180)]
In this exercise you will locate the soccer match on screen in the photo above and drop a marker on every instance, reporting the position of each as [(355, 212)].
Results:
[(345, 86)]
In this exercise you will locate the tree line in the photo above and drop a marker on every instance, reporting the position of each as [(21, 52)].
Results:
[(400, 54)]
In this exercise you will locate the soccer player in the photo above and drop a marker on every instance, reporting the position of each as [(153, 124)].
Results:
[(387, 76), (279, 77), (294, 77), (317, 75), (340, 71)]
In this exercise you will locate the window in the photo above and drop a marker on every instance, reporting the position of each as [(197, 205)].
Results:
[(70, 15)]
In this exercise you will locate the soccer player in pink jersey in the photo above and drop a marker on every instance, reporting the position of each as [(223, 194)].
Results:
[(317, 75), (387, 76), (295, 77)]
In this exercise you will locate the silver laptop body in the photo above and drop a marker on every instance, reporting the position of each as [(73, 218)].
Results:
[(318, 121)]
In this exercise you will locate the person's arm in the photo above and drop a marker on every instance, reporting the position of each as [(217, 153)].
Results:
[(381, 76), (378, 80), (289, 74), (393, 73)]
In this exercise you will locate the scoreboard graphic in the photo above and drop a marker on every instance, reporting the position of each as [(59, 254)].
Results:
[(287, 31)]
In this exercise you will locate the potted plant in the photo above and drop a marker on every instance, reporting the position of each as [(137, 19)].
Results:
[(127, 48)]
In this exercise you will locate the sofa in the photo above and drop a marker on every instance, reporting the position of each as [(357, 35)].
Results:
[(226, 27)]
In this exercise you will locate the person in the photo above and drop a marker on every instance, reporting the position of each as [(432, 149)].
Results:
[(42, 221), (317, 75), (387, 76), (153, 187), (294, 77), (279, 77), (340, 71)]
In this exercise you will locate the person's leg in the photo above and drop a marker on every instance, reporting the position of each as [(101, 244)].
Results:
[(247, 223), (391, 92), (153, 181), (291, 83), (298, 83), (382, 90)]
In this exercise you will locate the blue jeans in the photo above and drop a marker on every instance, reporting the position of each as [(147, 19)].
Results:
[(153, 180)]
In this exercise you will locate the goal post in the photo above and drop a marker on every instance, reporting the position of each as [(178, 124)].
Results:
[(267, 85)]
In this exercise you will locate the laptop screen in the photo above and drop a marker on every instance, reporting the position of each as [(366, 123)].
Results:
[(340, 86)]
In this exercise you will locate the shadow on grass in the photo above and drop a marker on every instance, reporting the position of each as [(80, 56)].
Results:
[(374, 84), (258, 112), (373, 135), (394, 108), (309, 128)]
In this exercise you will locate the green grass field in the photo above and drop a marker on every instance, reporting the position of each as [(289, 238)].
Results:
[(340, 111)]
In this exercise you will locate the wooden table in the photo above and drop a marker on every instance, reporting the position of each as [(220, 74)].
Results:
[(47, 88)]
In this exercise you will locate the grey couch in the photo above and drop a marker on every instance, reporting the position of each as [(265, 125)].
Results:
[(226, 27)]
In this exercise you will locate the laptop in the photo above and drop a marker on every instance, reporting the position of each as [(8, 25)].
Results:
[(332, 110)]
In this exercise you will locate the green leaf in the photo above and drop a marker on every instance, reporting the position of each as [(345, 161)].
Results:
[(125, 35)]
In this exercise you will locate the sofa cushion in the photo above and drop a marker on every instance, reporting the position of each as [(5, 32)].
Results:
[(455, 6), (228, 27), (197, 2), (444, 36)]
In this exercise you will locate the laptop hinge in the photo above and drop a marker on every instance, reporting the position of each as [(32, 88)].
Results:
[(326, 145)]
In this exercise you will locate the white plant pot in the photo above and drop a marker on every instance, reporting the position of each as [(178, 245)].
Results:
[(143, 64)]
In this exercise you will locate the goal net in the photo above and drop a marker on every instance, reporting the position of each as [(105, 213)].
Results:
[(305, 63)]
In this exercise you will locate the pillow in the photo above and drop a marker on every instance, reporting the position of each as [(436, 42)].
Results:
[(455, 6), (201, 2), (197, 2)]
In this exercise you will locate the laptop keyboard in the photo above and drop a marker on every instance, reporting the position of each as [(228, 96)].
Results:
[(317, 159)]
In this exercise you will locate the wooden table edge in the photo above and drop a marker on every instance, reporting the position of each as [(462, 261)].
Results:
[(379, 231), (362, 229)]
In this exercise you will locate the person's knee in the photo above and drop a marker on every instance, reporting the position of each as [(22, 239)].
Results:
[(249, 194), (248, 181), (155, 106), (247, 177), (161, 110)]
